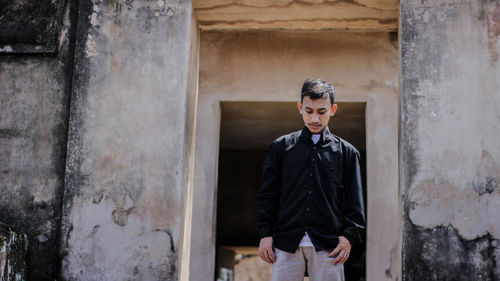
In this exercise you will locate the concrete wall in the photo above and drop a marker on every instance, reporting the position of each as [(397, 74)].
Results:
[(130, 191), (34, 102), (450, 139), (271, 66), (130, 140)]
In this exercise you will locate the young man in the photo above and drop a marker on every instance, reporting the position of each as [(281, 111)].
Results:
[(306, 178)]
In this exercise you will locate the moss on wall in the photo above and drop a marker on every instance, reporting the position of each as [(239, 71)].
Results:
[(13, 253)]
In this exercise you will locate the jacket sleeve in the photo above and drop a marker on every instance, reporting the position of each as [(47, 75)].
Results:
[(268, 195), (354, 213)]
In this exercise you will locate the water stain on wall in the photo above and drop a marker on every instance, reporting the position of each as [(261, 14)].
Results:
[(492, 21)]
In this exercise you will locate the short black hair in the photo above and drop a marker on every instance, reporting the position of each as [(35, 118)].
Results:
[(317, 89)]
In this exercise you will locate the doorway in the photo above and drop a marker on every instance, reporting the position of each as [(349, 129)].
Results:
[(269, 67), (247, 129)]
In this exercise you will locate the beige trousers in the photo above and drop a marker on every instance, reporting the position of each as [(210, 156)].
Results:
[(292, 267)]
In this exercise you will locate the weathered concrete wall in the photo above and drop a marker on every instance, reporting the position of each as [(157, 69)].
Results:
[(450, 131), (271, 66), (128, 139), (34, 101)]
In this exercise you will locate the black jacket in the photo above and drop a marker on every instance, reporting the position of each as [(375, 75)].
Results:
[(303, 188)]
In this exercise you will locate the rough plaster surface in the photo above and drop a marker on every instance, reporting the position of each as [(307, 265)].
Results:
[(125, 173), (271, 66), (116, 250), (34, 102), (450, 124)]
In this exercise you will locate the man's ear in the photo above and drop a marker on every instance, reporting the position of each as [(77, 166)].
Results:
[(299, 107), (334, 109)]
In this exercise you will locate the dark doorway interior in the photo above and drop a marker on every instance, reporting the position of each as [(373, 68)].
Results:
[(247, 130)]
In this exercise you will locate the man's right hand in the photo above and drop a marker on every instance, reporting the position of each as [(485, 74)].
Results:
[(266, 249)]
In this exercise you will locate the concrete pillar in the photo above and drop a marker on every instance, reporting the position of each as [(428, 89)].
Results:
[(450, 165), (35, 89), (130, 140), (202, 260)]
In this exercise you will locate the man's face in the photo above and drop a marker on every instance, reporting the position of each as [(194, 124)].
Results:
[(316, 113)]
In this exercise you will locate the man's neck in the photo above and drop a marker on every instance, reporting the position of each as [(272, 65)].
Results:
[(315, 138)]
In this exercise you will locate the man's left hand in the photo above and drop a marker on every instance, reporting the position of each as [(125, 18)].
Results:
[(343, 249)]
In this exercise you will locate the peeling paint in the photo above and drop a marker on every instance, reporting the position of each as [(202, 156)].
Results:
[(147, 252), (443, 203), (120, 215), (90, 49), (487, 185), (470, 209), (93, 18), (487, 175)]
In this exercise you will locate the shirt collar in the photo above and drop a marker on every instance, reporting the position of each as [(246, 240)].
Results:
[(306, 134)]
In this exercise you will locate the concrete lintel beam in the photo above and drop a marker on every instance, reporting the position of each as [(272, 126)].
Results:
[(302, 15)]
